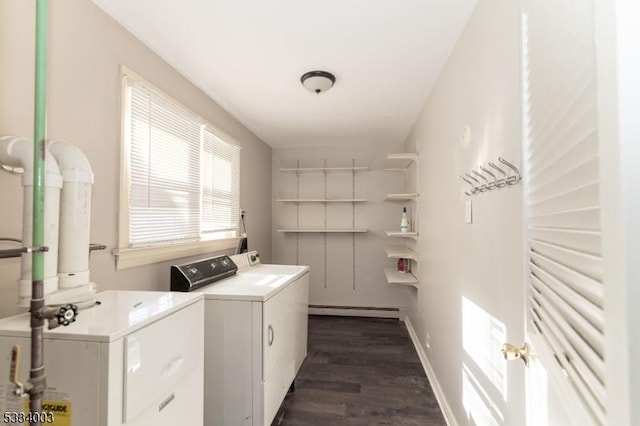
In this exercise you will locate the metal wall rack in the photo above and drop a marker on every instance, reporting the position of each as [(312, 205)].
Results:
[(492, 177)]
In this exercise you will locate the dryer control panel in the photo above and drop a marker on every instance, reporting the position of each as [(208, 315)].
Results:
[(193, 275)]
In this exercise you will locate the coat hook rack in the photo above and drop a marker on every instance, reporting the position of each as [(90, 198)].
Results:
[(484, 180)]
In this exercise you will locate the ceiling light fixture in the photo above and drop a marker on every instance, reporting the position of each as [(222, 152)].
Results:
[(317, 81)]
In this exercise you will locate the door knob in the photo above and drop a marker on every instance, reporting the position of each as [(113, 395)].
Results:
[(513, 352)]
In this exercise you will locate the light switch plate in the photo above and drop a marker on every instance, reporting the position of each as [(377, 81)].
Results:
[(468, 215)]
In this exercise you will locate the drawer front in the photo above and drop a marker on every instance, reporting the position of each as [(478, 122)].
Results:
[(158, 357)]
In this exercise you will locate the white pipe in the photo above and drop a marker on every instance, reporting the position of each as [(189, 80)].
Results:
[(75, 214), (18, 152)]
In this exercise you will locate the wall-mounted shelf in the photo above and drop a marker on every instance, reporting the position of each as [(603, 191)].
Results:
[(324, 205), (398, 252), (320, 200), (324, 169), (400, 161), (395, 277), (323, 231), (400, 234), (406, 162), (407, 196)]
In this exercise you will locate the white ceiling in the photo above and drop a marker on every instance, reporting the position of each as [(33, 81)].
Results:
[(248, 55)]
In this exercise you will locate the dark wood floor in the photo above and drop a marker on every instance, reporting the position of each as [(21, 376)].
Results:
[(360, 371)]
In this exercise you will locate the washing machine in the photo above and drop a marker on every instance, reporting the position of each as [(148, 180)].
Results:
[(135, 358), (256, 319)]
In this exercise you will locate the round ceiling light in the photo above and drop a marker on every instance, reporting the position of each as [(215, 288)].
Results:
[(317, 81)]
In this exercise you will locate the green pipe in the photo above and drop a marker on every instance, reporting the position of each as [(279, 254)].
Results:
[(39, 136), (37, 376)]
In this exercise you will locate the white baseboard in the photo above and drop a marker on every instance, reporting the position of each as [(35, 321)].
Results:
[(435, 385), (347, 311)]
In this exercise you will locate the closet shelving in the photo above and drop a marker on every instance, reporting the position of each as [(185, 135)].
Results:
[(398, 252), (324, 169), (400, 234), (402, 162), (324, 201), (321, 200), (407, 196), (395, 277), (353, 169), (323, 230)]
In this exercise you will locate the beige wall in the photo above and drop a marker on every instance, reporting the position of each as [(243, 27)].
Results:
[(471, 296), (86, 50)]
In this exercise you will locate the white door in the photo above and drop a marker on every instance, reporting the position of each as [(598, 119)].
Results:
[(565, 318)]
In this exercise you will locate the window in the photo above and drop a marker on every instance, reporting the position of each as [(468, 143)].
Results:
[(180, 180)]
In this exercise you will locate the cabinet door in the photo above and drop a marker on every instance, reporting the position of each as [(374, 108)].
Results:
[(278, 330), (284, 342), (228, 363), (70, 367)]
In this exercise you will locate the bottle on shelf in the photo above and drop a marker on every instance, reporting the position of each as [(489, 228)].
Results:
[(404, 223), (401, 267)]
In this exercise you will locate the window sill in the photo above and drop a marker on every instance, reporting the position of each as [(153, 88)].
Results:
[(131, 257)]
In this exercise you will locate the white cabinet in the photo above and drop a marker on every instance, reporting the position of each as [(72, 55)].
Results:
[(253, 351), (135, 360)]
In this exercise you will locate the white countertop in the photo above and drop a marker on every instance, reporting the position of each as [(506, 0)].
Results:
[(118, 314), (257, 283)]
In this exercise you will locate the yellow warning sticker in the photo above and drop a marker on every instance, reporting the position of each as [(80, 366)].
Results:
[(55, 413), (60, 412)]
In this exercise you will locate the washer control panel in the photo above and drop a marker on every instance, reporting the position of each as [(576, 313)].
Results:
[(193, 275)]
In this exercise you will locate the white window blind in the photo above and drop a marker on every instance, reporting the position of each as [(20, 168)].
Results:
[(562, 194), (220, 185), (184, 178)]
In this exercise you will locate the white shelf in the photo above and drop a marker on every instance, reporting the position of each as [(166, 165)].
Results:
[(400, 161), (319, 200), (395, 277), (400, 234), (327, 231), (398, 252), (324, 169), (408, 196)]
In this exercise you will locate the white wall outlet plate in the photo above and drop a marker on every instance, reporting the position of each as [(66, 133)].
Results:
[(465, 137), (468, 212)]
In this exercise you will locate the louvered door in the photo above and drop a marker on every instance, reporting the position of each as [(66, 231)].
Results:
[(562, 206)]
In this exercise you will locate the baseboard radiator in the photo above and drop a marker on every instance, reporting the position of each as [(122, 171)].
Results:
[(356, 311)]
